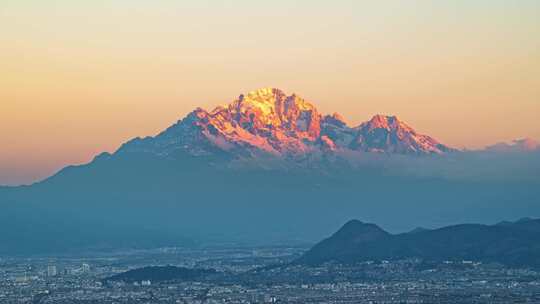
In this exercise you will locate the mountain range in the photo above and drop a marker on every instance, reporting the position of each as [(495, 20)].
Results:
[(509, 243), (266, 168), (268, 122), (512, 244)]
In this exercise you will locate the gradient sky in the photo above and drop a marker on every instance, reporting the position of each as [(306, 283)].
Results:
[(81, 77)]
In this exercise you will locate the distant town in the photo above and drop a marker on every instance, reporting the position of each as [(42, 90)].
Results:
[(260, 275)]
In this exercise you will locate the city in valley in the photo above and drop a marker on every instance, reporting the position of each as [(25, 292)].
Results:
[(243, 152), (258, 275)]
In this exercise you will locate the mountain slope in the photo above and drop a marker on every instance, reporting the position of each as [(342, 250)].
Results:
[(511, 244)]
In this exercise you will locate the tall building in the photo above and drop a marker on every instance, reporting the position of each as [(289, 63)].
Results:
[(85, 268), (51, 271)]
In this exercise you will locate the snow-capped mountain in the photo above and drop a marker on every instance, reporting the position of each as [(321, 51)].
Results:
[(389, 134), (518, 145), (265, 161), (269, 122)]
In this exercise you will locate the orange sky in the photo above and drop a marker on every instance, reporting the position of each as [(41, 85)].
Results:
[(81, 77)]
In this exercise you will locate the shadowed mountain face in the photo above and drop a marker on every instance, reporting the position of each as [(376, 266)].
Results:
[(267, 168), (513, 244)]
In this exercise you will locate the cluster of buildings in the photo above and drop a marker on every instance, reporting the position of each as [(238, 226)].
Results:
[(246, 278)]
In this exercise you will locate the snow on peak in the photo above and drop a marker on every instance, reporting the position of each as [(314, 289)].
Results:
[(269, 102), (386, 122), (388, 134), (268, 120)]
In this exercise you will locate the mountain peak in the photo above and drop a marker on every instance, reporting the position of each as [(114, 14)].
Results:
[(354, 234), (267, 91), (352, 224), (270, 101), (355, 231), (263, 99), (386, 122), (383, 118), (268, 120), (390, 135)]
